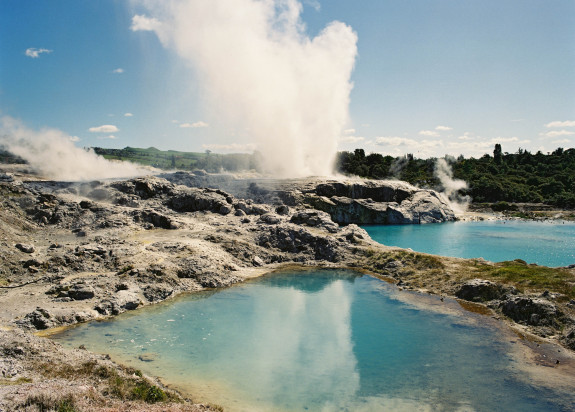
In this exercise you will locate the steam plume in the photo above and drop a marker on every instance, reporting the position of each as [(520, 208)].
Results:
[(261, 71), (451, 186), (51, 153)]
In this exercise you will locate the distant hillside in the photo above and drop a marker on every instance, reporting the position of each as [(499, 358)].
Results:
[(171, 159), (7, 157), (509, 177)]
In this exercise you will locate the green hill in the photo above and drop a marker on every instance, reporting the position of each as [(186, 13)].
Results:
[(172, 159)]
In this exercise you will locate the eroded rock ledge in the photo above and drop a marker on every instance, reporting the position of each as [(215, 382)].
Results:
[(346, 201)]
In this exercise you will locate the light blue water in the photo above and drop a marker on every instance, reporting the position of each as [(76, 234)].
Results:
[(322, 341), (545, 243)]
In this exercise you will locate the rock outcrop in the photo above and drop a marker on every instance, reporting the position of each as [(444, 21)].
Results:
[(346, 201), (379, 202), (480, 290), (531, 311)]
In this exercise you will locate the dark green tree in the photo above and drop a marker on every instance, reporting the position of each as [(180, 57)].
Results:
[(497, 154)]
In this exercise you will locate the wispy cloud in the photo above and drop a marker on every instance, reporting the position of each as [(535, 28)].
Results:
[(473, 145), (111, 137), (351, 139), (398, 146), (35, 53), (394, 141), (429, 133), (562, 141), (119, 70), (145, 23), (557, 123), (505, 140), (105, 128), (349, 131), (466, 136), (128, 115), (74, 138), (444, 128), (194, 125), (556, 133), (313, 3)]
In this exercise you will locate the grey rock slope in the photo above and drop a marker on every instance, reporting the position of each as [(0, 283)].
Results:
[(108, 247), (379, 202), (346, 201)]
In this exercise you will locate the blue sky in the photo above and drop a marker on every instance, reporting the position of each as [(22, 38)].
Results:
[(431, 77)]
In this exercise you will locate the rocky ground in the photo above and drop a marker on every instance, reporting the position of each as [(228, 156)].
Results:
[(75, 252)]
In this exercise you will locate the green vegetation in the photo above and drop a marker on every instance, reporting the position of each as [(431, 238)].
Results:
[(148, 393), (171, 159), (50, 402), (19, 381), (530, 277), (126, 386), (503, 177), (422, 270), (403, 262)]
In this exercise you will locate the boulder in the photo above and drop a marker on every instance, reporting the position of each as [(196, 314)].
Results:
[(157, 293), (156, 219), (270, 219), (38, 319), (299, 240), (195, 200), (251, 209), (225, 209), (6, 177), (81, 291), (144, 187), (480, 290), (282, 210), (216, 279), (128, 300), (23, 247), (569, 338), (353, 233), (314, 218), (532, 311)]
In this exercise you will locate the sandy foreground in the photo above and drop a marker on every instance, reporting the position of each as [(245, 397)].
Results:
[(82, 252)]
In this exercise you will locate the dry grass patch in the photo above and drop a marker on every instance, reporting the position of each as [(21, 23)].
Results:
[(127, 384), (530, 278)]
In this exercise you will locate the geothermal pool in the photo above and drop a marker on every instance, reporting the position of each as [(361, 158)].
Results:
[(323, 341), (550, 243)]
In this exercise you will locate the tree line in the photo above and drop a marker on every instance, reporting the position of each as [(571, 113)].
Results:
[(510, 177)]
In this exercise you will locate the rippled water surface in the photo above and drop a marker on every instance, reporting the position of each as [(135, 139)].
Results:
[(321, 341), (545, 243)]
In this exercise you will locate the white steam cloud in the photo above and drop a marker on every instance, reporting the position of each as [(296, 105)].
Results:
[(261, 70), (52, 154), (451, 186)]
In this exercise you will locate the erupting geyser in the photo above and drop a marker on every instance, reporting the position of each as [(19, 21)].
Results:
[(262, 72)]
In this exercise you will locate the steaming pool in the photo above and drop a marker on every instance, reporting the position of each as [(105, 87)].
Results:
[(549, 243), (323, 340)]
